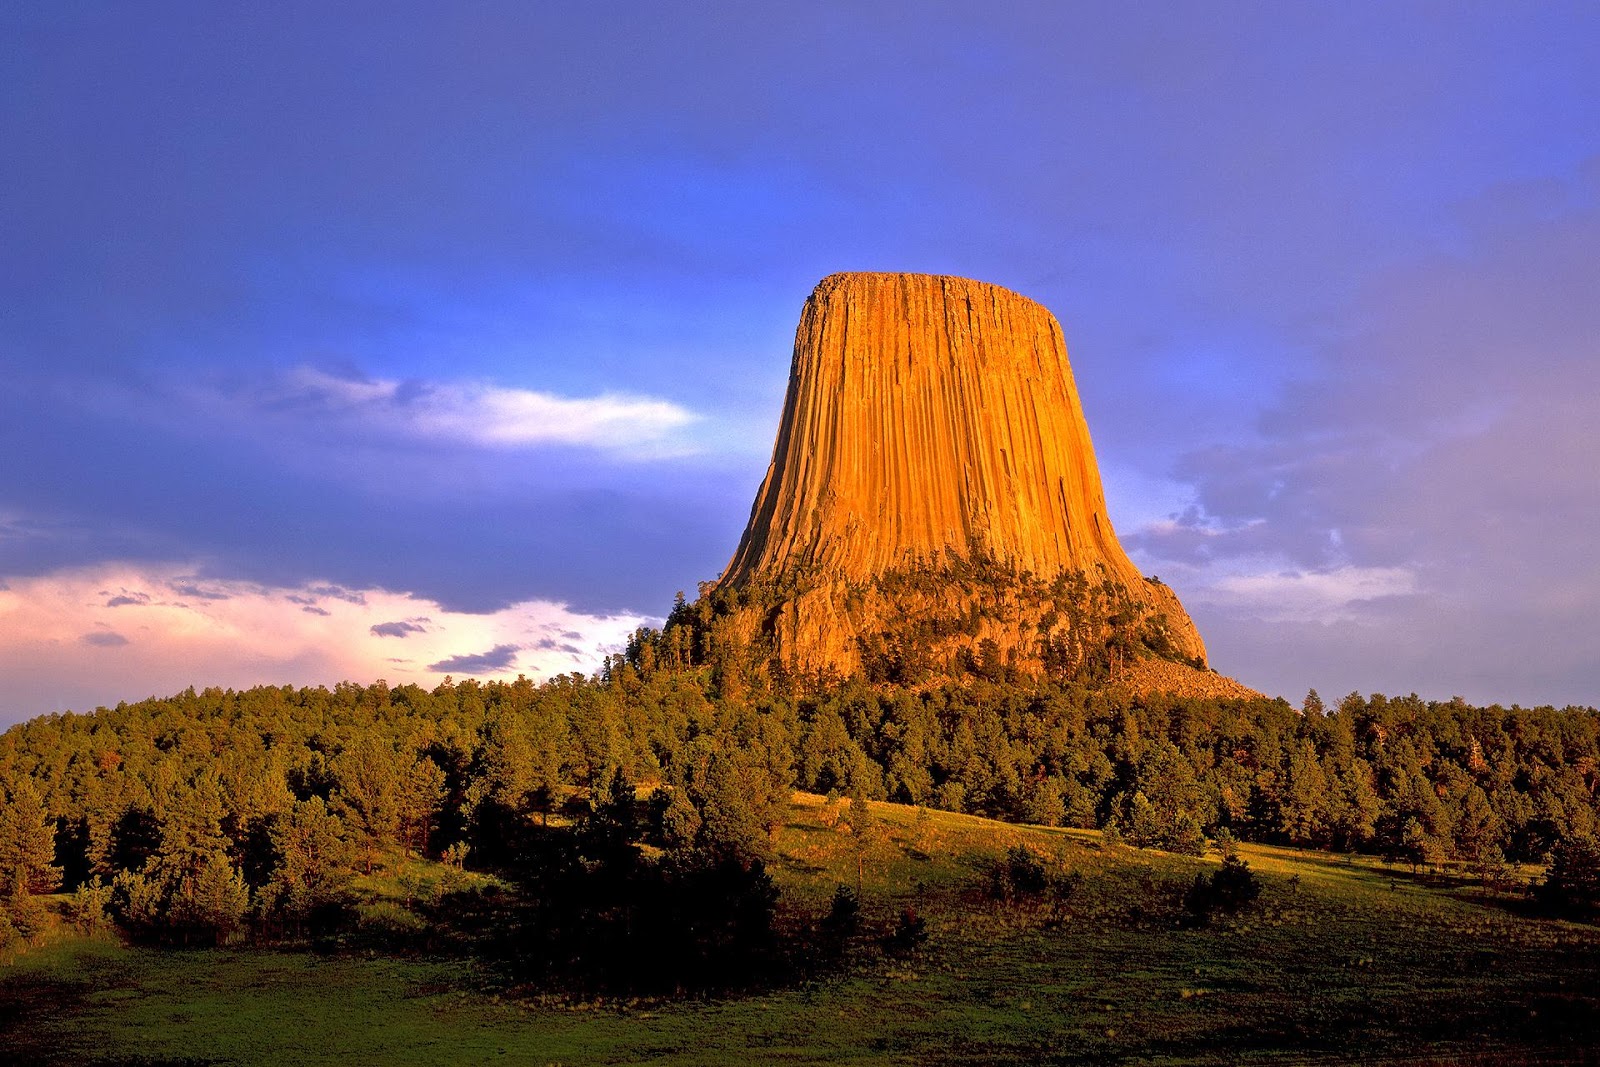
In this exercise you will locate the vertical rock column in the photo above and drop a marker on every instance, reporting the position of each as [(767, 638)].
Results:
[(931, 418)]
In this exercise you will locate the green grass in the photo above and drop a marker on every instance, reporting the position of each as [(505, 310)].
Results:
[(1355, 961)]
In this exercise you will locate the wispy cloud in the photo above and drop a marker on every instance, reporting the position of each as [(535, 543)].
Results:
[(190, 588), (1307, 596), (398, 629), (481, 413), (498, 658), (249, 633)]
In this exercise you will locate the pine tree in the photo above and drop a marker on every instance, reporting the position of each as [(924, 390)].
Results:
[(369, 798), (212, 903), (1478, 828), (519, 762), (674, 822), (27, 842), (731, 805), (612, 824), (1356, 807), (138, 904), (1572, 885), (865, 834), (191, 830), (1303, 807), (313, 855), (88, 907), (422, 790)]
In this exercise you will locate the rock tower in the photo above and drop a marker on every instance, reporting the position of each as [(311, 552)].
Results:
[(933, 506)]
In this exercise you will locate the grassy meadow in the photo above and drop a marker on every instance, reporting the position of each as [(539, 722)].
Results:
[(1340, 960)]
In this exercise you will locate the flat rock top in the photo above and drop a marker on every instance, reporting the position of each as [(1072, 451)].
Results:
[(869, 281)]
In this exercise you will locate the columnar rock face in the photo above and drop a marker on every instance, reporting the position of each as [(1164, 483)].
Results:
[(932, 428)]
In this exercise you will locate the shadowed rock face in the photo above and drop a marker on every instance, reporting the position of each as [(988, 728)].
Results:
[(931, 424)]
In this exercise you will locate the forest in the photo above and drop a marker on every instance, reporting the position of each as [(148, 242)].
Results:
[(214, 815)]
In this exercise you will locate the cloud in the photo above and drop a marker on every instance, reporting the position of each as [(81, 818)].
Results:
[(1307, 596), (498, 658), (397, 629), (186, 587), (127, 599), (337, 592), (1417, 502), (257, 633), (476, 413)]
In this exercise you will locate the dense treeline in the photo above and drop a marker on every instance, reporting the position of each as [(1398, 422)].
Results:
[(195, 816)]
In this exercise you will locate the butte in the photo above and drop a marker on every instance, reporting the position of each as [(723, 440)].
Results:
[(933, 510)]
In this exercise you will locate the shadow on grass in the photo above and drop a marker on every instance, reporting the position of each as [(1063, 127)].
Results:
[(27, 1003), (1468, 890)]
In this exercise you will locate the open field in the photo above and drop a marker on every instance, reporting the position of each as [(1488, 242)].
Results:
[(1338, 961)]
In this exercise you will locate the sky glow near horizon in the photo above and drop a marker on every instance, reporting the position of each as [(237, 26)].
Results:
[(483, 317), (150, 625)]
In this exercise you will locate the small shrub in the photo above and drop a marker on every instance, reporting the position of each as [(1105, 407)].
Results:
[(843, 918), (1184, 837), (27, 915), (909, 933), (1235, 885), (1062, 888), (1230, 888), (88, 907), (1020, 874)]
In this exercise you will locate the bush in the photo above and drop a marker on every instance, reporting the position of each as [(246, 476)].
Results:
[(1572, 885), (843, 919), (1234, 885), (27, 915), (87, 908), (1230, 888), (1020, 874), (909, 933)]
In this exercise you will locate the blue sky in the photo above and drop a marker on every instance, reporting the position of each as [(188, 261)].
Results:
[(320, 319)]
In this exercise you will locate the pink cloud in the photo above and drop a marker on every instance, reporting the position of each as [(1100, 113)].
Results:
[(59, 648)]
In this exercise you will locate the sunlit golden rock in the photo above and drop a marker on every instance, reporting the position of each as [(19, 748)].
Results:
[(933, 506)]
